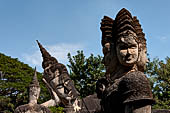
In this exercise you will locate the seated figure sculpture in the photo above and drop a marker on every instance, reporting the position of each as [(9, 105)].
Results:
[(125, 88), (32, 106)]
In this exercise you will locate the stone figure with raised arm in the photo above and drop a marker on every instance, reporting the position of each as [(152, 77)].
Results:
[(62, 88), (125, 88), (32, 106), (57, 80)]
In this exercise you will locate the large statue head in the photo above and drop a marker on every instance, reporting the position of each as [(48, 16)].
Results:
[(127, 49), (48, 63), (34, 90), (123, 42), (126, 40), (110, 58)]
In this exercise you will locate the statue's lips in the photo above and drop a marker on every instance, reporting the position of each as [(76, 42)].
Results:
[(128, 57)]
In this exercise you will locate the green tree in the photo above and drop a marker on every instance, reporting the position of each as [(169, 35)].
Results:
[(85, 72), (15, 78), (159, 74)]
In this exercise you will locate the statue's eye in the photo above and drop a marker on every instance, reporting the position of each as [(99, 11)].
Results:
[(47, 70), (133, 46), (122, 47)]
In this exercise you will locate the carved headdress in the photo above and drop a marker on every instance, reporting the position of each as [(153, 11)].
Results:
[(47, 58), (107, 30), (34, 82), (139, 32), (123, 24)]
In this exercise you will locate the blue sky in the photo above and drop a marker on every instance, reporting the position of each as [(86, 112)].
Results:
[(64, 26)]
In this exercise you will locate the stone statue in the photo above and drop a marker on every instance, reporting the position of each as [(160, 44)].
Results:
[(125, 88), (62, 88), (32, 106)]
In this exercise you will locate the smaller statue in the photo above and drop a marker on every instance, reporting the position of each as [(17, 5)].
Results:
[(58, 81), (32, 106), (62, 89)]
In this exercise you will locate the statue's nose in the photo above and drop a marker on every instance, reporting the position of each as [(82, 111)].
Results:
[(129, 51)]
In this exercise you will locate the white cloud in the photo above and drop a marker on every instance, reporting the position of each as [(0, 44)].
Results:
[(163, 38), (59, 51)]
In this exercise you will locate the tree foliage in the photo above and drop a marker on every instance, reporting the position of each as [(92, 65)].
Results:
[(15, 78), (85, 72), (159, 74)]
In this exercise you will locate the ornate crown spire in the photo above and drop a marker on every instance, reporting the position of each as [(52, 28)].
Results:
[(47, 58), (124, 22), (44, 52), (112, 29), (35, 82)]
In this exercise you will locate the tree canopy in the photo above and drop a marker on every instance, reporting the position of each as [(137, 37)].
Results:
[(159, 75), (15, 78), (85, 72)]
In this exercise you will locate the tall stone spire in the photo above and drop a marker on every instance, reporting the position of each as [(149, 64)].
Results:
[(44, 52), (47, 58), (35, 80)]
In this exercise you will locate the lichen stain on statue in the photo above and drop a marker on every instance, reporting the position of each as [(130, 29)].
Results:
[(32, 106), (125, 88)]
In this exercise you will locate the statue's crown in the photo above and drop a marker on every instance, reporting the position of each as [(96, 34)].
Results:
[(47, 58), (112, 29), (34, 82)]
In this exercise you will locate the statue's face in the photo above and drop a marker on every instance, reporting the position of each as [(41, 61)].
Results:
[(34, 93), (142, 59), (107, 54), (127, 50), (110, 59)]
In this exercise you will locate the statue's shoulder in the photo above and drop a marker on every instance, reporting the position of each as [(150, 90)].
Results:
[(134, 77), (44, 109), (22, 108), (28, 109), (135, 86)]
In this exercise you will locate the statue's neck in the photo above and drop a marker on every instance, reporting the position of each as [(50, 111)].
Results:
[(122, 70), (32, 102)]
